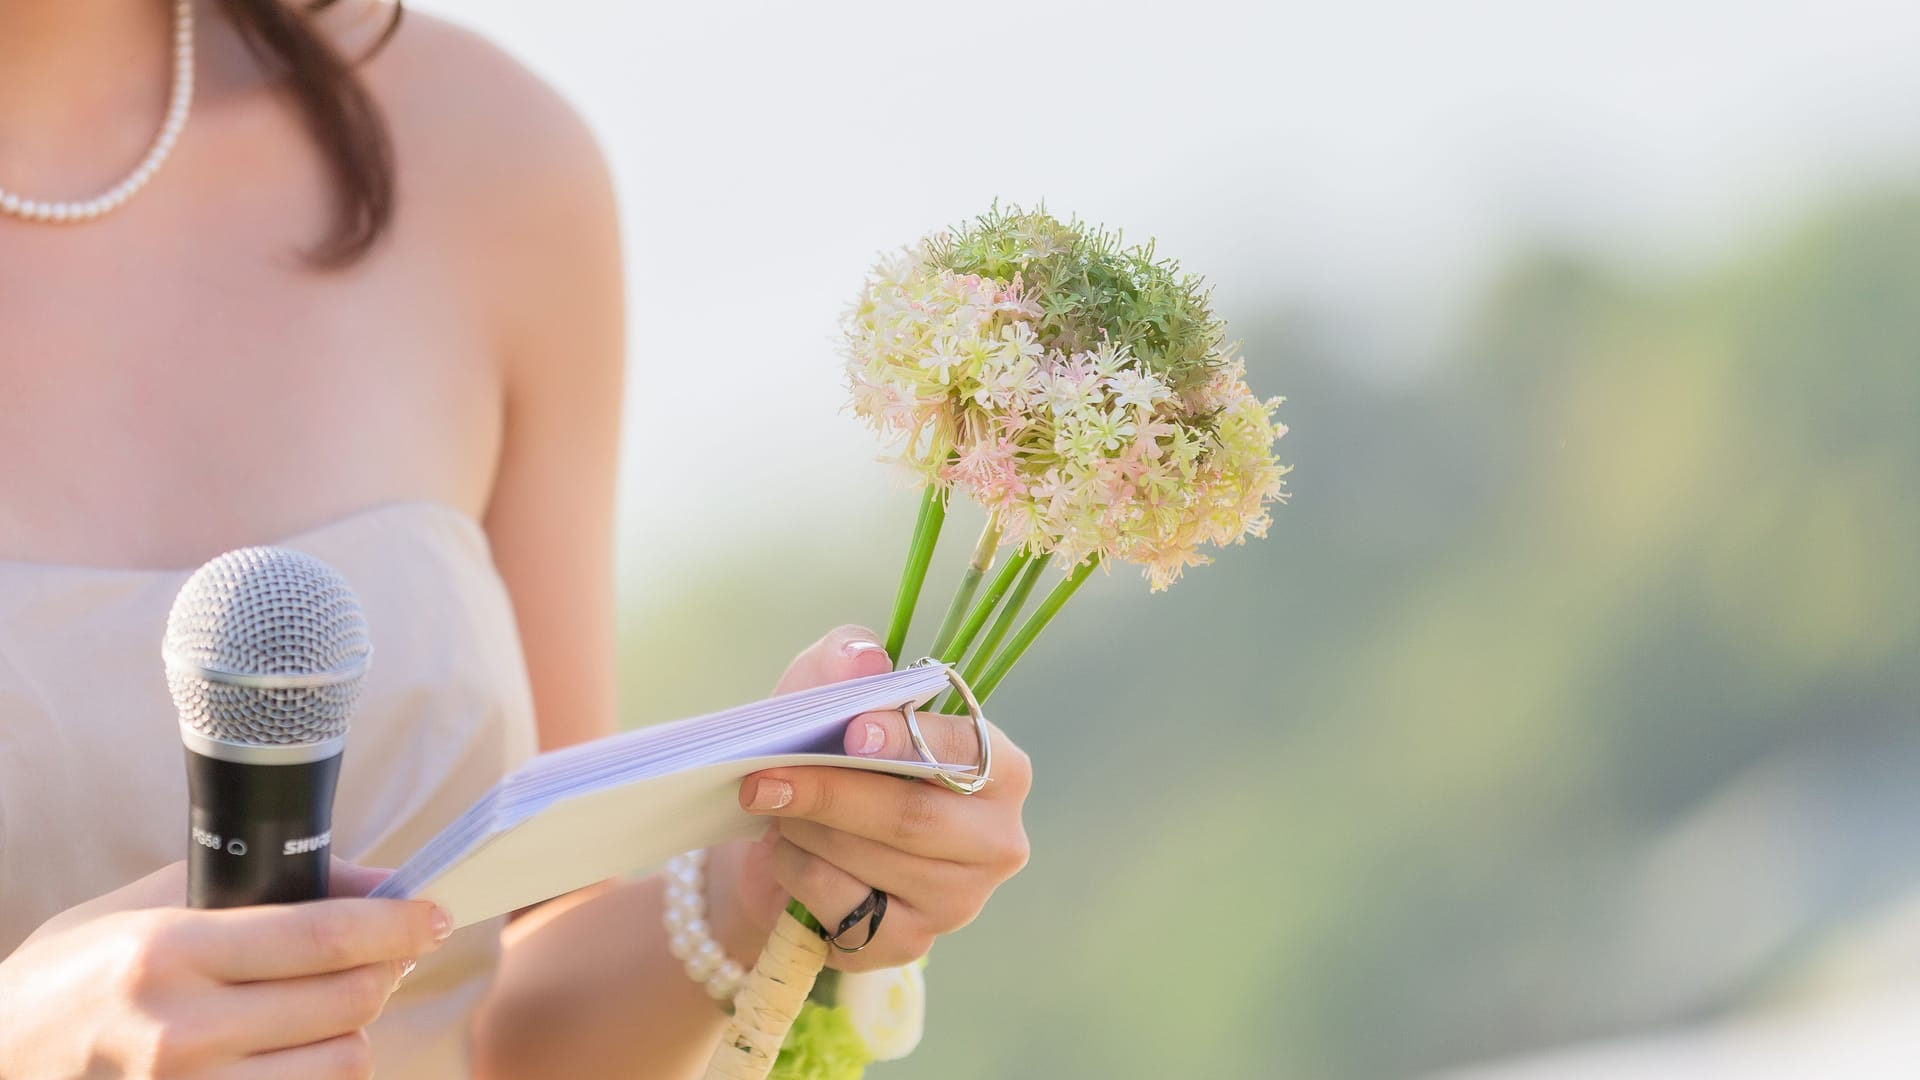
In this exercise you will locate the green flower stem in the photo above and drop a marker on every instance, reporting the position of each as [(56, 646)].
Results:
[(977, 567), (799, 911), (990, 600), (998, 631), (926, 532), (1030, 629)]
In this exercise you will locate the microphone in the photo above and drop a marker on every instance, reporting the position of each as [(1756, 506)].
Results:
[(265, 652)]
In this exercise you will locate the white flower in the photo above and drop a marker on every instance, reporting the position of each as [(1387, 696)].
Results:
[(1137, 389), (888, 1009), (944, 356)]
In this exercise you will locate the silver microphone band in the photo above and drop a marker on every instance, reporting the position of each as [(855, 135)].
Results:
[(291, 681), (261, 753)]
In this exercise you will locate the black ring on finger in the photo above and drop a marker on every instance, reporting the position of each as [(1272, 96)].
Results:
[(871, 911)]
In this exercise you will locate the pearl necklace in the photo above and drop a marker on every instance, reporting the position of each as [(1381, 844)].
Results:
[(179, 102)]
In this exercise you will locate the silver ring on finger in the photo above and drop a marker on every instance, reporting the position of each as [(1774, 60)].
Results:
[(963, 784)]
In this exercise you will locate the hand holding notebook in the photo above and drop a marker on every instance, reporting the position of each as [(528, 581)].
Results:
[(585, 813)]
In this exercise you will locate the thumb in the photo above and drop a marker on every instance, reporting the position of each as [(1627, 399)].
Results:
[(849, 652), (165, 887), (351, 879)]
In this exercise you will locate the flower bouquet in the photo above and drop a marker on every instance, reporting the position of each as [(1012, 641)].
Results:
[(1083, 392)]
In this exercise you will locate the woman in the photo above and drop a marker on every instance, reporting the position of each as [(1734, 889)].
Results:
[(369, 309)]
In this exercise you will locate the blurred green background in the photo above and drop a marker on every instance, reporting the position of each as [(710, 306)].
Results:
[(1400, 787), (1573, 697)]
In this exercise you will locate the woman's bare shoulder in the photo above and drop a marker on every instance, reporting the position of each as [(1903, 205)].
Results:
[(464, 111), (502, 183)]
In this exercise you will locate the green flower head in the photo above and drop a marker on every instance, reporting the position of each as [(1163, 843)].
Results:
[(822, 1045), (1093, 290)]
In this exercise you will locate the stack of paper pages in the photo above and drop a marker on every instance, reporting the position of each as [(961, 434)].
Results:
[(609, 807)]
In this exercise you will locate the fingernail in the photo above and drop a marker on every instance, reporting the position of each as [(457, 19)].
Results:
[(440, 923), (771, 795), (876, 739), (406, 969), (858, 650)]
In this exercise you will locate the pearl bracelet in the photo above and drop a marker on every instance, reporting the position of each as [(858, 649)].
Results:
[(688, 936)]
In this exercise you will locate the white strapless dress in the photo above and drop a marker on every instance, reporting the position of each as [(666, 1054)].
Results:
[(92, 784)]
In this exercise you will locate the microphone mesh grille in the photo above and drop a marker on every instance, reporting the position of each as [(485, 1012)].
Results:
[(265, 611)]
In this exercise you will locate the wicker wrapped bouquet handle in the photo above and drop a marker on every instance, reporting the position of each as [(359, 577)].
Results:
[(769, 1001)]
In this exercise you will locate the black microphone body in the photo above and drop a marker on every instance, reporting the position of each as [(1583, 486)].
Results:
[(262, 834)]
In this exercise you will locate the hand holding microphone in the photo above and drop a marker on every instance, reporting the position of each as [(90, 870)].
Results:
[(265, 650), (123, 986)]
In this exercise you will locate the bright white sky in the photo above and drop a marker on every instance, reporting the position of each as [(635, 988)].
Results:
[(1370, 157)]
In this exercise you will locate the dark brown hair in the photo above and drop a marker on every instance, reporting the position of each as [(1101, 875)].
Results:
[(339, 113)]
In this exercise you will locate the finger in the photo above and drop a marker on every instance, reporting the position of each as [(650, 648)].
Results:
[(284, 1013), (945, 891), (165, 887), (827, 891), (349, 1057), (953, 740), (285, 941), (830, 893), (848, 652), (345, 879), (917, 817)]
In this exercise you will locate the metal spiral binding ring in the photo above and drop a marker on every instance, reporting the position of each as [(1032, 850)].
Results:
[(963, 785)]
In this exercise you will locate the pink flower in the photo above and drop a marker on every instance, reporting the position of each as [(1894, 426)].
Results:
[(1076, 449)]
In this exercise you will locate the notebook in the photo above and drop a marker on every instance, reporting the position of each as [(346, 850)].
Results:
[(601, 809)]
